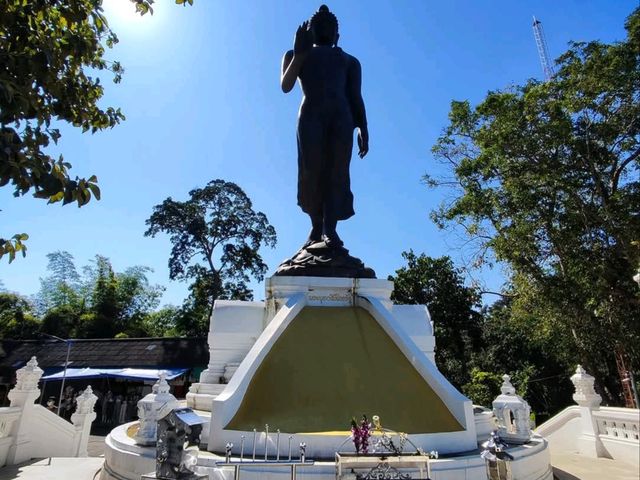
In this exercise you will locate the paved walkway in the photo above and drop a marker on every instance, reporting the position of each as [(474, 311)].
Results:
[(54, 469), (95, 447), (59, 468), (577, 467)]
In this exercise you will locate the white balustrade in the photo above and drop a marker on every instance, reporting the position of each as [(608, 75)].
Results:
[(28, 430), (8, 415), (591, 430)]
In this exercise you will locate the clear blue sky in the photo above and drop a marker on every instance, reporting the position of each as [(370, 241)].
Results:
[(202, 101)]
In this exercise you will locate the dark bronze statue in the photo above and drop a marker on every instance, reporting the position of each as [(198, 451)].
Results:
[(332, 107)]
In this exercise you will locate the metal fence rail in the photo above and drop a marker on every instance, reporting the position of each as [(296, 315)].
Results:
[(268, 464)]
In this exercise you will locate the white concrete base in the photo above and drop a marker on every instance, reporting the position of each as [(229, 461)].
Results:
[(485, 423), (201, 395), (531, 462), (289, 295), (125, 460)]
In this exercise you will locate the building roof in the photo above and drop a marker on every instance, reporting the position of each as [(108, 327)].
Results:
[(107, 352)]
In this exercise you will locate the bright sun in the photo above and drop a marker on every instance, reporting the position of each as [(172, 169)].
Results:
[(121, 12), (123, 18)]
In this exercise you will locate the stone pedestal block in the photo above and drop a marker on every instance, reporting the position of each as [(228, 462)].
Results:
[(588, 442), (152, 408)]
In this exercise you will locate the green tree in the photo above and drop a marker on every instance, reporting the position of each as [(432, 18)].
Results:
[(544, 361), (136, 295), (16, 319), (216, 236), (103, 318), (483, 387), (100, 303), (61, 321), (162, 322), (51, 53), (546, 179), (119, 302), (193, 318), (454, 309), (62, 286)]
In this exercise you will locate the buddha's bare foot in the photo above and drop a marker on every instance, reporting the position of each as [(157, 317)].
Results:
[(315, 236), (332, 240), (309, 242)]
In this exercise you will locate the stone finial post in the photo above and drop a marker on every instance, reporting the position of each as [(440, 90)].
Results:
[(82, 419), (22, 396), (588, 443), (512, 414), (26, 390), (507, 388), (85, 403), (585, 395), (152, 408)]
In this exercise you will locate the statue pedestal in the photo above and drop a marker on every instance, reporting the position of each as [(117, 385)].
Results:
[(318, 343), (322, 260), (332, 349)]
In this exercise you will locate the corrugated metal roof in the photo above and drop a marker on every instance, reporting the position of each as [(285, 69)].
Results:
[(108, 352)]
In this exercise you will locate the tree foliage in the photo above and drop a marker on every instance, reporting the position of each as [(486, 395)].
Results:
[(539, 359), (100, 303), (475, 347), (51, 55), (454, 309), (50, 52), (16, 318), (162, 322), (62, 286), (546, 179), (216, 237), (483, 387)]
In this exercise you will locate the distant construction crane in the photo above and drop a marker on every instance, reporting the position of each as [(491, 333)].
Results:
[(543, 51)]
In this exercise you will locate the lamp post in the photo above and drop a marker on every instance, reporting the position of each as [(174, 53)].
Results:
[(66, 363)]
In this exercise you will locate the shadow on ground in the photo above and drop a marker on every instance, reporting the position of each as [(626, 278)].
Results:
[(559, 474)]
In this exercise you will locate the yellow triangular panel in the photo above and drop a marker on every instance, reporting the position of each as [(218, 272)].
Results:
[(332, 364)]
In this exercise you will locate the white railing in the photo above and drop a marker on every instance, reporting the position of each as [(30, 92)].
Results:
[(618, 423), (591, 430), (559, 421), (8, 415), (618, 433), (28, 430)]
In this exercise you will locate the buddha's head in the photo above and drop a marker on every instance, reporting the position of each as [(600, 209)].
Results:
[(324, 27)]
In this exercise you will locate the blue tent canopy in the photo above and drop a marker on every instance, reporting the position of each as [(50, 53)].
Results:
[(129, 373)]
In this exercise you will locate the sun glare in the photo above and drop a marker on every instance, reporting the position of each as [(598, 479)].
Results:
[(122, 14), (120, 10)]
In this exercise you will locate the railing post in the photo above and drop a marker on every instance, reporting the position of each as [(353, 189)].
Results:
[(588, 443), (82, 419), (23, 395)]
